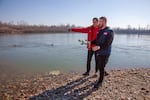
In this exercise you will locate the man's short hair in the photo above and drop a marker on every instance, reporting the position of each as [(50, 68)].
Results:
[(95, 19), (103, 18)]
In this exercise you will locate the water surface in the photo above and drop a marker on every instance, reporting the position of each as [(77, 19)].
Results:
[(44, 52)]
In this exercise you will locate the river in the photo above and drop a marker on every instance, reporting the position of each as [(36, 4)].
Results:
[(45, 52)]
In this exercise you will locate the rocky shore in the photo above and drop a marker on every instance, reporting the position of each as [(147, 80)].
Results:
[(124, 84)]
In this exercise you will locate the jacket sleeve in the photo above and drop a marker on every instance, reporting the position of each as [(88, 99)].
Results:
[(108, 41), (81, 30), (93, 42)]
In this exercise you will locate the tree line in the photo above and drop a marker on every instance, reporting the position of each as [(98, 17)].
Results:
[(132, 31), (23, 27)]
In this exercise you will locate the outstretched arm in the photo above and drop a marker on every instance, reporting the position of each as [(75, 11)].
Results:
[(81, 30)]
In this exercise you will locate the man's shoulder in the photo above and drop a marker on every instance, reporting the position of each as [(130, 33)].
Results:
[(109, 30)]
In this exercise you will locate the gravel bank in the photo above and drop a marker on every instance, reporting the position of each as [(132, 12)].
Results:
[(125, 84)]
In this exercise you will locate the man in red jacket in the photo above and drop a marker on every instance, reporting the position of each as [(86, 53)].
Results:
[(91, 35)]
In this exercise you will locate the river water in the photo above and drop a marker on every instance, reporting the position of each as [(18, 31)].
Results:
[(45, 52)]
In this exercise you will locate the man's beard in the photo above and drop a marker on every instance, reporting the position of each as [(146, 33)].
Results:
[(101, 26)]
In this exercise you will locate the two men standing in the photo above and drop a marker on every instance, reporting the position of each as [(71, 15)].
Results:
[(99, 44)]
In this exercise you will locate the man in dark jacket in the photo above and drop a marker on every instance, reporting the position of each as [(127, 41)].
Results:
[(103, 43)]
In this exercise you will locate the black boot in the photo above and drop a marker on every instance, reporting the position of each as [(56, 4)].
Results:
[(97, 85), (86, 74), (95, 75), (105, 73)]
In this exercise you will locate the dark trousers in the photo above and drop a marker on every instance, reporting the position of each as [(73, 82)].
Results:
[(101, 63), (89, 58)]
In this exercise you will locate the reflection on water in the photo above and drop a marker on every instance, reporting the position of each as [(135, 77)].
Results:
[(42, 52)]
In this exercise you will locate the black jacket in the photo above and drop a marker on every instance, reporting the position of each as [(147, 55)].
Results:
[(104, 39)]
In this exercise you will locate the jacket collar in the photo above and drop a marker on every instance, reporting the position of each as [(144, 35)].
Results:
[(106, 28)]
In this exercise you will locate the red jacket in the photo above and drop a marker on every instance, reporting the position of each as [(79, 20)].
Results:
[(91, 31)]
